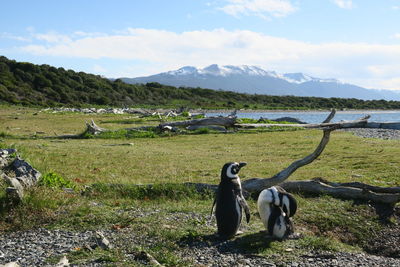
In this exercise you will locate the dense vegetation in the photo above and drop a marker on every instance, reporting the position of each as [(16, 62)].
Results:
[(44, 85)]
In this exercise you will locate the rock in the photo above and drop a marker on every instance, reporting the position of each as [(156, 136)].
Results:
[(25, 173), (15, 192), (102, 241), (144, 256), (10, 264), (63, 262)]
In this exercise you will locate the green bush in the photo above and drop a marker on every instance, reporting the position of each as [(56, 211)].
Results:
[(55, 180)]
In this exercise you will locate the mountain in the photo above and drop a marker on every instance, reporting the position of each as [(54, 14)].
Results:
[(255, 80), (24, 83)]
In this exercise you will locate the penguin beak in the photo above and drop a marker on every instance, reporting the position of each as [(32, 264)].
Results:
[(242, 164)]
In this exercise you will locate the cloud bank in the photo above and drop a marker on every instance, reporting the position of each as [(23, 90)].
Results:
[(260, 8), (369, 65), (346, 4)]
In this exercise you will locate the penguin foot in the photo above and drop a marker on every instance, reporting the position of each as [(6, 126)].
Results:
[(239, 232), (294, 236)]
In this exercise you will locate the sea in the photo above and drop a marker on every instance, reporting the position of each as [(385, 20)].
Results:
[(317, 116)]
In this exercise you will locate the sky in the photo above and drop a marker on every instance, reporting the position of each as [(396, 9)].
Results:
[(354, 41)]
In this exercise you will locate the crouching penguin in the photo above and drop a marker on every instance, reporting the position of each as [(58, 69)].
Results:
[(276, 207)]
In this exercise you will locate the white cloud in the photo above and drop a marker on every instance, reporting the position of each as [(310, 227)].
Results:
[(10, 36), (52, 37), (346, 4), (396, 36), (369, 65), (261, 8)]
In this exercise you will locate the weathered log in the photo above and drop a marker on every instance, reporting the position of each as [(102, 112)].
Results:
[(92, 128), (339, 191), (258, 184), (347, 190), (306, 187), (340, 125), (376, 189), (221, 121)]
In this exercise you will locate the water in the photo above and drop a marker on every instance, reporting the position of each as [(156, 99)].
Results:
[(320, 116)]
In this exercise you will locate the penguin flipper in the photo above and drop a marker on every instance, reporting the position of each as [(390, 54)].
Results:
[(245, 207), (212, 207)]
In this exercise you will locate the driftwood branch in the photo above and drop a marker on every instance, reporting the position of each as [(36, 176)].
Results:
[(344, 190), (258, 184), (348, 190), (376, 189), (221, 121), (92, 128), (318, 186), (361, 123)]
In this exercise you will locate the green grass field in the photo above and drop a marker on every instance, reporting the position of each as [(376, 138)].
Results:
[(324, 222)]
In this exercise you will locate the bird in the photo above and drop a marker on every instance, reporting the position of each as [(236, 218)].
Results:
[(275, 207), (229, 201)]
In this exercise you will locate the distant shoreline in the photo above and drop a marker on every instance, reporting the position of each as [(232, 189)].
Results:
[(294, 110)]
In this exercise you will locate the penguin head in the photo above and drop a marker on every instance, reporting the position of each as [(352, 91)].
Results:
[(289, 204), (231, 169)]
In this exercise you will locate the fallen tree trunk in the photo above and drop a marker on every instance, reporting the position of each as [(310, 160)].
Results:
[(348, 190), (343, 191), (339, 125), (258, 184), (313, 187), (92, 128), (376, 189), (353, 191), (221, 121), (374, 194)]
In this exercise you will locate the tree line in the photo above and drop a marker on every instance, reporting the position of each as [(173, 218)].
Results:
[(28, 84)]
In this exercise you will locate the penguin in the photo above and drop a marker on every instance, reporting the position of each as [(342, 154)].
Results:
[(229, 201), (275, 207)]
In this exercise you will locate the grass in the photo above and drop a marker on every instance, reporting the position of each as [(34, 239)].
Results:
[(110, 170)]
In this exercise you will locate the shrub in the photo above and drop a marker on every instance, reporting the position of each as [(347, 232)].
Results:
[(55, 180)]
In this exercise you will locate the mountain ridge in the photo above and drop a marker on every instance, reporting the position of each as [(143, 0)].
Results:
[(24, 83), (255, 80)]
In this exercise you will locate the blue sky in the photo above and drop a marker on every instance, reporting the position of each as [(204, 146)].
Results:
[(355, 41)]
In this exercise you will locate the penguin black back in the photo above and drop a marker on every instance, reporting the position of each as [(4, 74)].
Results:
[(229, 201), (275, 207)]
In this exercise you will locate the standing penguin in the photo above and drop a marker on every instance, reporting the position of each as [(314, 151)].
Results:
[(276, 206), (229, 201)]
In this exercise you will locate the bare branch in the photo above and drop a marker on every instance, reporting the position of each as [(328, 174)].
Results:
[(360, 123), (222, 121), (258, 184), (93, 128), (340, 191)]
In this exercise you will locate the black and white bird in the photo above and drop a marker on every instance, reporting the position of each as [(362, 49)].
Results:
[(229, 201), (275, 207)]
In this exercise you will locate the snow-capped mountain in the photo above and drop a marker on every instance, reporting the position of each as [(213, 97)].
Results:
[(255, 80)]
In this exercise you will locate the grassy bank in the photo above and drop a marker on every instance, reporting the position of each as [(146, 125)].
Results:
[(325, 223)]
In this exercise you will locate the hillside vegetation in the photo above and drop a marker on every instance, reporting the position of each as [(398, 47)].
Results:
[(44, 85)]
